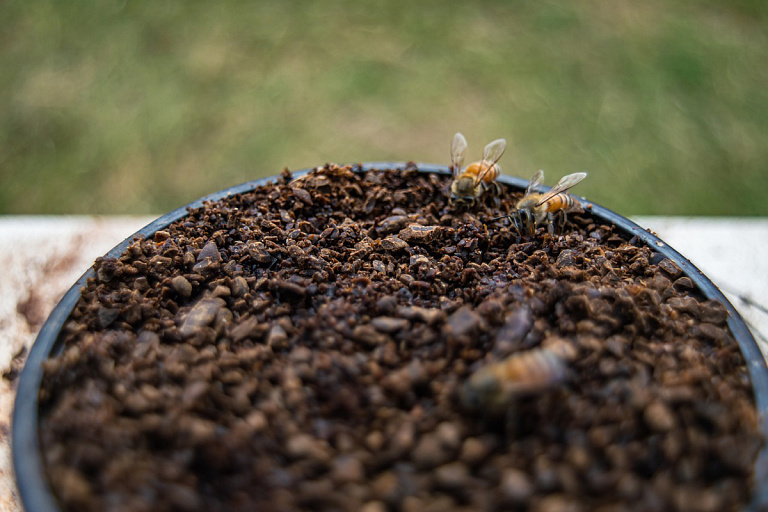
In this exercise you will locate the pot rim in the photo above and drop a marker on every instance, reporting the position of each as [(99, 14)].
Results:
[(37, 496)]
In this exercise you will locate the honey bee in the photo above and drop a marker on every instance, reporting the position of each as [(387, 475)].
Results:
[(494, 387), (535, 208), (469, 185)]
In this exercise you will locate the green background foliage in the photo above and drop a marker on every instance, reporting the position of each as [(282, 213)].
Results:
[(139, 107)]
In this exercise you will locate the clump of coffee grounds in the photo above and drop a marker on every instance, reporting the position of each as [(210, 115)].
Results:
[(303, 347)]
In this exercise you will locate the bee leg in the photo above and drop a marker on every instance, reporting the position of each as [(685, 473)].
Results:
[(560, 218), (513, 220), (518, 222), (496, 191), (550, 223)]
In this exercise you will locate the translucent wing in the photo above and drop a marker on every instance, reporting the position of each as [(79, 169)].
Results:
[(494, 150), (564, 184), (536, 180), (491, 154), (458, 150)]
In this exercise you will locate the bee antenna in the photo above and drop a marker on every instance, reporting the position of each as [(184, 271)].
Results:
[(497, 218)]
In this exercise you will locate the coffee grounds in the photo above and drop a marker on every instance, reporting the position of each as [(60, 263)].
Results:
[(309, 346)]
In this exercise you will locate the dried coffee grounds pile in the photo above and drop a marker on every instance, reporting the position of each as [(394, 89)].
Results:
[(305, 346)]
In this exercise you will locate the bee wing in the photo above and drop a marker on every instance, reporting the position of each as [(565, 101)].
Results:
[(492, 153), (536, 180), (494, 150), (458, 150), (564, 184)]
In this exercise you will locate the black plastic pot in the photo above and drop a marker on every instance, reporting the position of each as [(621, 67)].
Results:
[(34, 489)]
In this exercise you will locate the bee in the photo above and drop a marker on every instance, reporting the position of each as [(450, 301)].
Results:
[(536, 208), (472, 183), (494, 387)]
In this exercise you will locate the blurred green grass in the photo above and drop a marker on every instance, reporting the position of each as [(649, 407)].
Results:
[(139, 107)]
